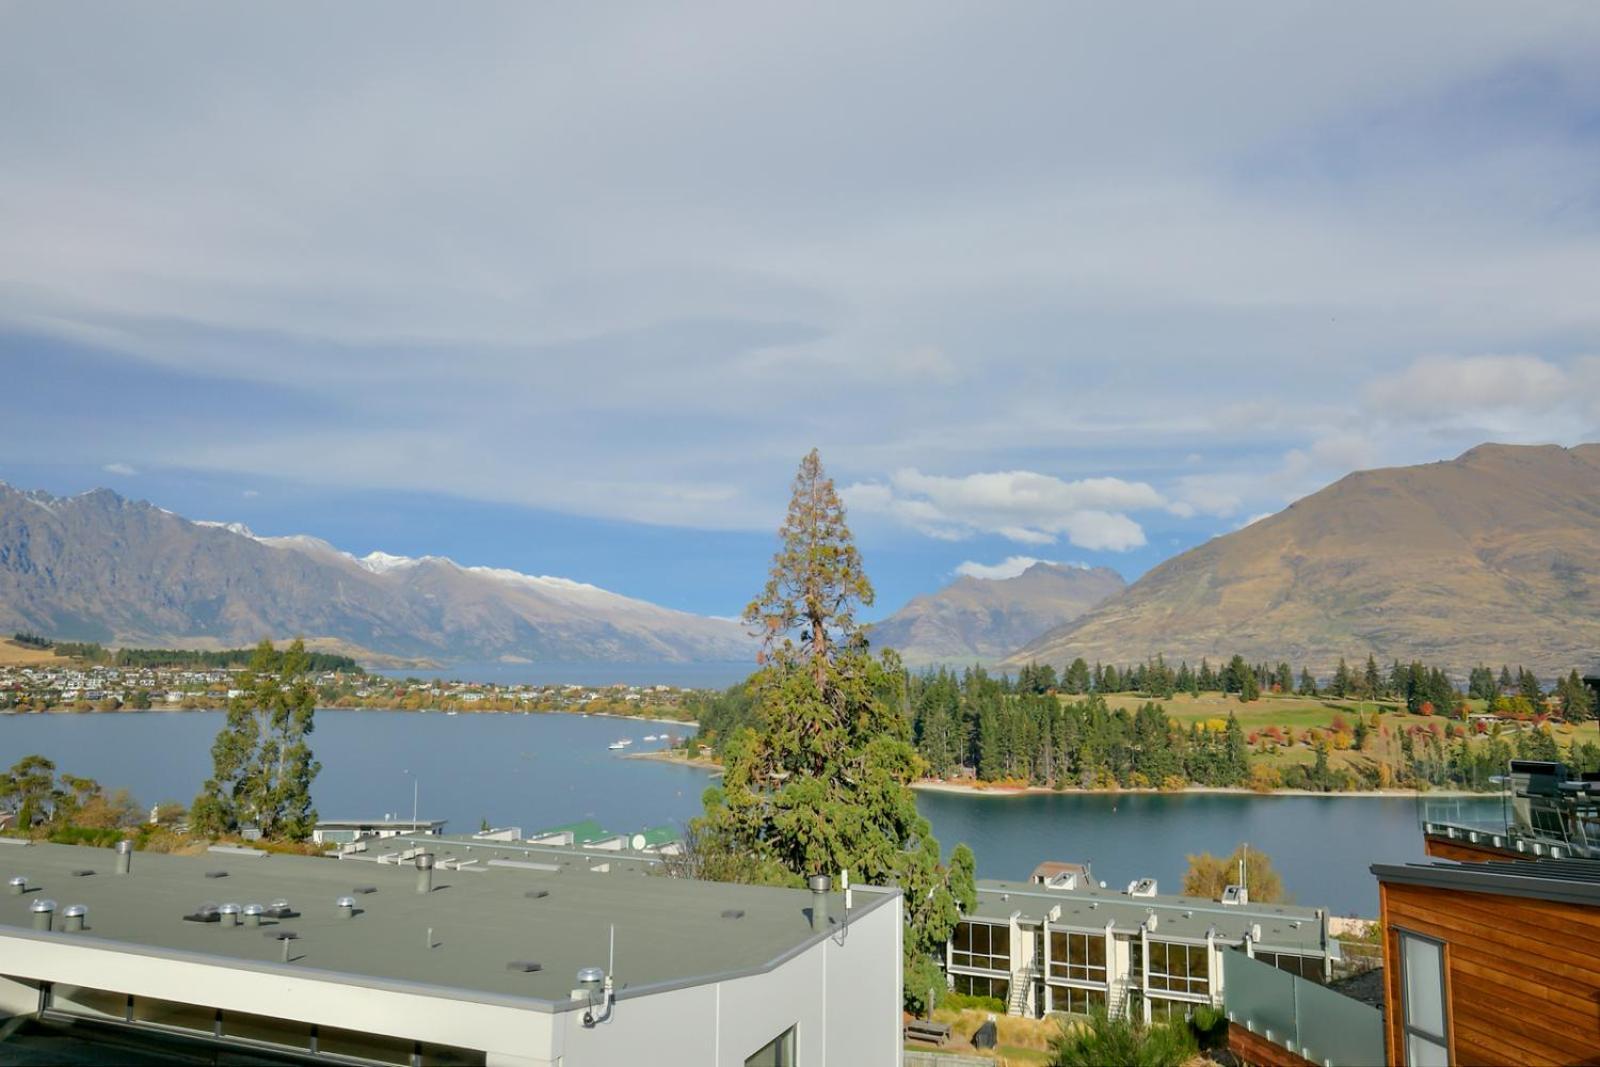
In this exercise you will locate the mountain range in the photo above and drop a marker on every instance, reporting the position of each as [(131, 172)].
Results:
[(103, 568), (982, 620), (1491, 557)]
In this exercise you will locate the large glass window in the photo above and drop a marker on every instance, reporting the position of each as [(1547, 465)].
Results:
[(1076, 1001), (983, 945), (1178, 968), (1425, 1014), (779, 1052), (977, 985), (1079, 957)]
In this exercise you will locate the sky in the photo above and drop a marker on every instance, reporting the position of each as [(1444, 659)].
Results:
[(572, 288)]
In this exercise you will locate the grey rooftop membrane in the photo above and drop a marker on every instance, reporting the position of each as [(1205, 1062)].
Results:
[(475, 932), (1178, 918)]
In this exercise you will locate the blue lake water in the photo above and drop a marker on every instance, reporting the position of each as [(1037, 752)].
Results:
[(541, 770)]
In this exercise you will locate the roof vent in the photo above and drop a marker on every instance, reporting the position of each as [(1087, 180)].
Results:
[(524, 966), (364, 890), (216, 874), (733, 913), (252, 914), (285, 938), (205, 913), (17, 885), (280, 910), (1142, 887), (44, 912), (82, 872), (537, 894), (72, 917), (228, 914), (346, 906)]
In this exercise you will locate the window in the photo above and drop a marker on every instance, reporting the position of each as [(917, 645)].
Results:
[(94, 1003), (977, 985), (1425, 1016), (779, 1052), (1178, 968), (1076, 1001), (171, 1013), (1079, 957), (986, 946), (1307, 967), (267, 1029)]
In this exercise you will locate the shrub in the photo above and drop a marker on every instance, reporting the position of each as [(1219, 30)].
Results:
[(1102, 1040), (963, 1002)]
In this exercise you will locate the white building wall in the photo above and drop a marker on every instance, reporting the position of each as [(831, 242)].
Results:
[(842, 995)]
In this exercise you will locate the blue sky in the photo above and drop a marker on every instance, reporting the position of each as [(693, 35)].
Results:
[(571, 290)]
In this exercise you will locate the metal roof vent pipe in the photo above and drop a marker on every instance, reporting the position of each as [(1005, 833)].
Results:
[(347, 907), (252, 914), (72, 917), (44, 913), (229, 914), (820, 884), (124, 856), (18, 885), (425, 872)]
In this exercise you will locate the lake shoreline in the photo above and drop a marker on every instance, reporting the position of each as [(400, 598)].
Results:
[(689, 723), (960, 789), (930, 785)]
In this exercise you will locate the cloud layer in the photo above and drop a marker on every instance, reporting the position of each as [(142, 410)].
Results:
[(631, 264)]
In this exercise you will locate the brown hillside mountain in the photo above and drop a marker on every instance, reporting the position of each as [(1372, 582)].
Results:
[(101, 568), (984, 620), (1492, 557)]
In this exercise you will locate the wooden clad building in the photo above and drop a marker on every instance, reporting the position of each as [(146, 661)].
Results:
[(1491, 963)]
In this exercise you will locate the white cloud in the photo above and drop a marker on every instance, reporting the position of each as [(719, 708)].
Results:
[(1009, 567), (119, 468), (1022, 506), (1452, 388)]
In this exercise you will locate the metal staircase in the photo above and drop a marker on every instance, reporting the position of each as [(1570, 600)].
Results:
[(1022, 983)]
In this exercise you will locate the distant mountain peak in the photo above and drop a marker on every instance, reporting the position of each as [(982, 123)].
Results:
[(78, 569), (1492, 557), (984, 617)]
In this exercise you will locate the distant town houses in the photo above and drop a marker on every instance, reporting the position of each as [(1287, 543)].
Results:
[(117, 689)]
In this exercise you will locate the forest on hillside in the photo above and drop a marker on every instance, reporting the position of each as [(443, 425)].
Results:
[(1412, 729)]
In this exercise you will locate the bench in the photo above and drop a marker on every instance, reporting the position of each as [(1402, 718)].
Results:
[(932, 1033)]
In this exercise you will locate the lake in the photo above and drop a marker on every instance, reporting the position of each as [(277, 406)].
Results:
[(538, 770)]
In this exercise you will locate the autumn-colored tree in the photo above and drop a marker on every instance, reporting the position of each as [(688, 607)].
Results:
[(1208, 875)]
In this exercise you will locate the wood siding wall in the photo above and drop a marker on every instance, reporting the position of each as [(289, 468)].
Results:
[(1522, 976), (1257, 1051)]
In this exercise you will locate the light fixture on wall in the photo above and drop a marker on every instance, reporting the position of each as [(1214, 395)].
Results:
[(596, 985)]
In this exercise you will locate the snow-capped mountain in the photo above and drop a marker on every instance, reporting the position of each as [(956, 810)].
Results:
[(99, 567)]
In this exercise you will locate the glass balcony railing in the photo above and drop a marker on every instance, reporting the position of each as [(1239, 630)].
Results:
[(1307, 1019)]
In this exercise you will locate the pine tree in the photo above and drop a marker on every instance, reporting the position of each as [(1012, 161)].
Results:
[(1372, 682), (262, 766), (1308, 684), (824, 786), (1077, 680)]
